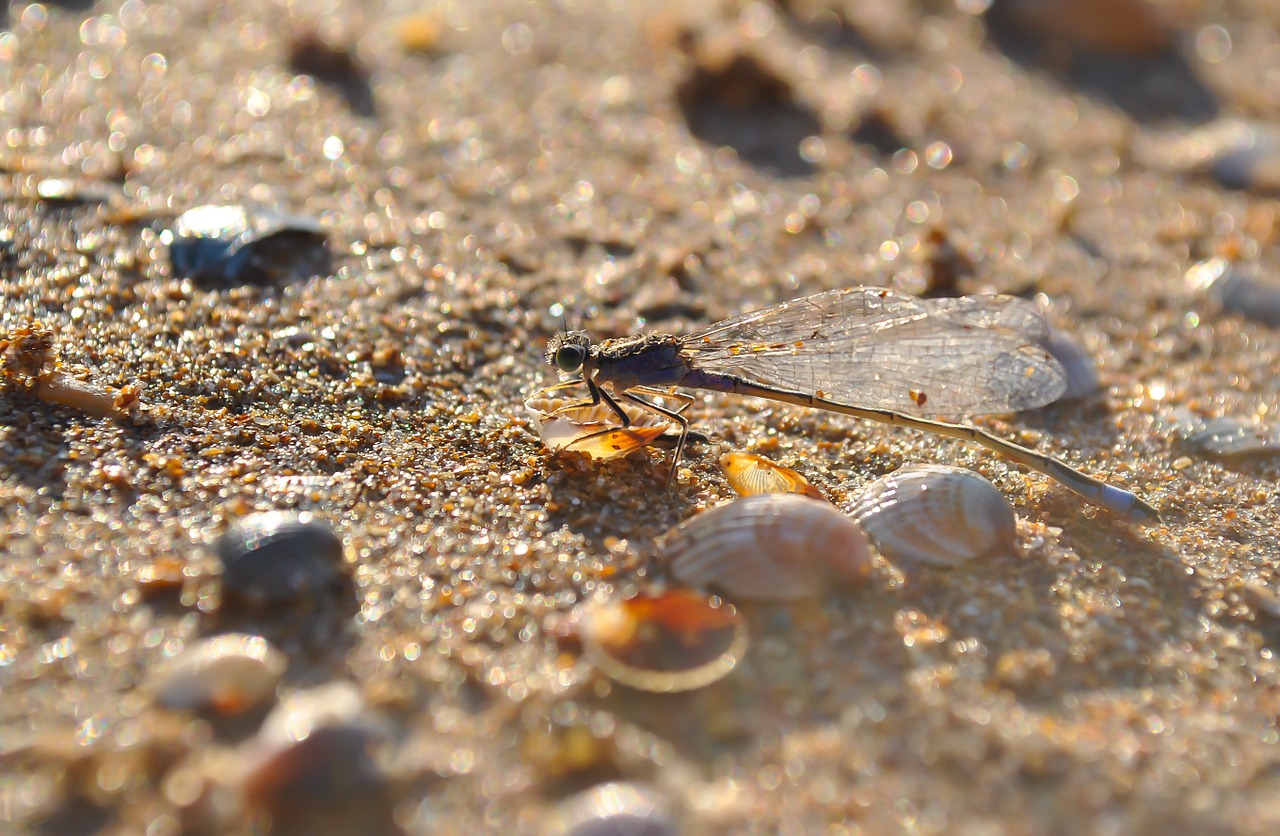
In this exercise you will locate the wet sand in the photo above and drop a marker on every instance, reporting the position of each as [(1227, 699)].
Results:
[(487, 170)]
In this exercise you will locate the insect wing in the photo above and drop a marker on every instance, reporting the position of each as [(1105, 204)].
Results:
[(879, 348)]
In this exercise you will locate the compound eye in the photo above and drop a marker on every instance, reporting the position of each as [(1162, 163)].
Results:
[(569, 358)]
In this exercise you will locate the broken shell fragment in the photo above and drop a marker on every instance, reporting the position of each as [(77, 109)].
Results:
[(227, 674), (667, 641), (768, 547), (595, 430), (937, 515), (750, 474)]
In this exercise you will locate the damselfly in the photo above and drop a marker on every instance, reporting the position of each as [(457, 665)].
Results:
[(869, 352)]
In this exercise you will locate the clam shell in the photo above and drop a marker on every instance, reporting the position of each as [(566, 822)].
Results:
[(750, 474), (936, 515), (594, 430), (768, 547), (666, 641), (229, 674)]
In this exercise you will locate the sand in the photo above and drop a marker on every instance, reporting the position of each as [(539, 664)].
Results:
[(486, 171)]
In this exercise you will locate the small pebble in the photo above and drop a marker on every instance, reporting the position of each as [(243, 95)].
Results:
[(1114, 27), (1238, 154)]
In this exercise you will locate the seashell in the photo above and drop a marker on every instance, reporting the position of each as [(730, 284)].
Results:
[(233, 244), (769, 547), (667, 641), (1082, 372), (594, 430), (750, 474), (277, 558), (311, 765), (1237, 292), (1238, 154), (614, 809), (1225, 437), (936, 515), (228, 674)]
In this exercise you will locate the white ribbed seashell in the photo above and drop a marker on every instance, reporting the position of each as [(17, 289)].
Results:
[(935, 514), (768, 547)]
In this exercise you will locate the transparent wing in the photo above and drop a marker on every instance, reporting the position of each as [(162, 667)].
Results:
[(875, 347)]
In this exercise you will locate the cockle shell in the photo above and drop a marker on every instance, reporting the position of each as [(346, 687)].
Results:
[(749, 474), (665, 641), (768, 547), (937, 515), (594, 430)]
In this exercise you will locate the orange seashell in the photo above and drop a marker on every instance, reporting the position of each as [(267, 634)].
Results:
[(749, 474), (674, 640), (594, 430)]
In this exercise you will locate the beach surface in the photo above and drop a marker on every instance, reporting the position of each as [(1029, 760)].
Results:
[(473, 176)]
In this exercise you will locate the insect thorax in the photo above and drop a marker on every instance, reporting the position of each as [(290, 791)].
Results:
[(645, 360)]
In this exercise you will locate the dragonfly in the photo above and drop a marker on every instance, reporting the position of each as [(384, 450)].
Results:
[(869, 352)]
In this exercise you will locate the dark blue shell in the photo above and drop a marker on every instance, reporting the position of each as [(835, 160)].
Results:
[(237, 245)]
